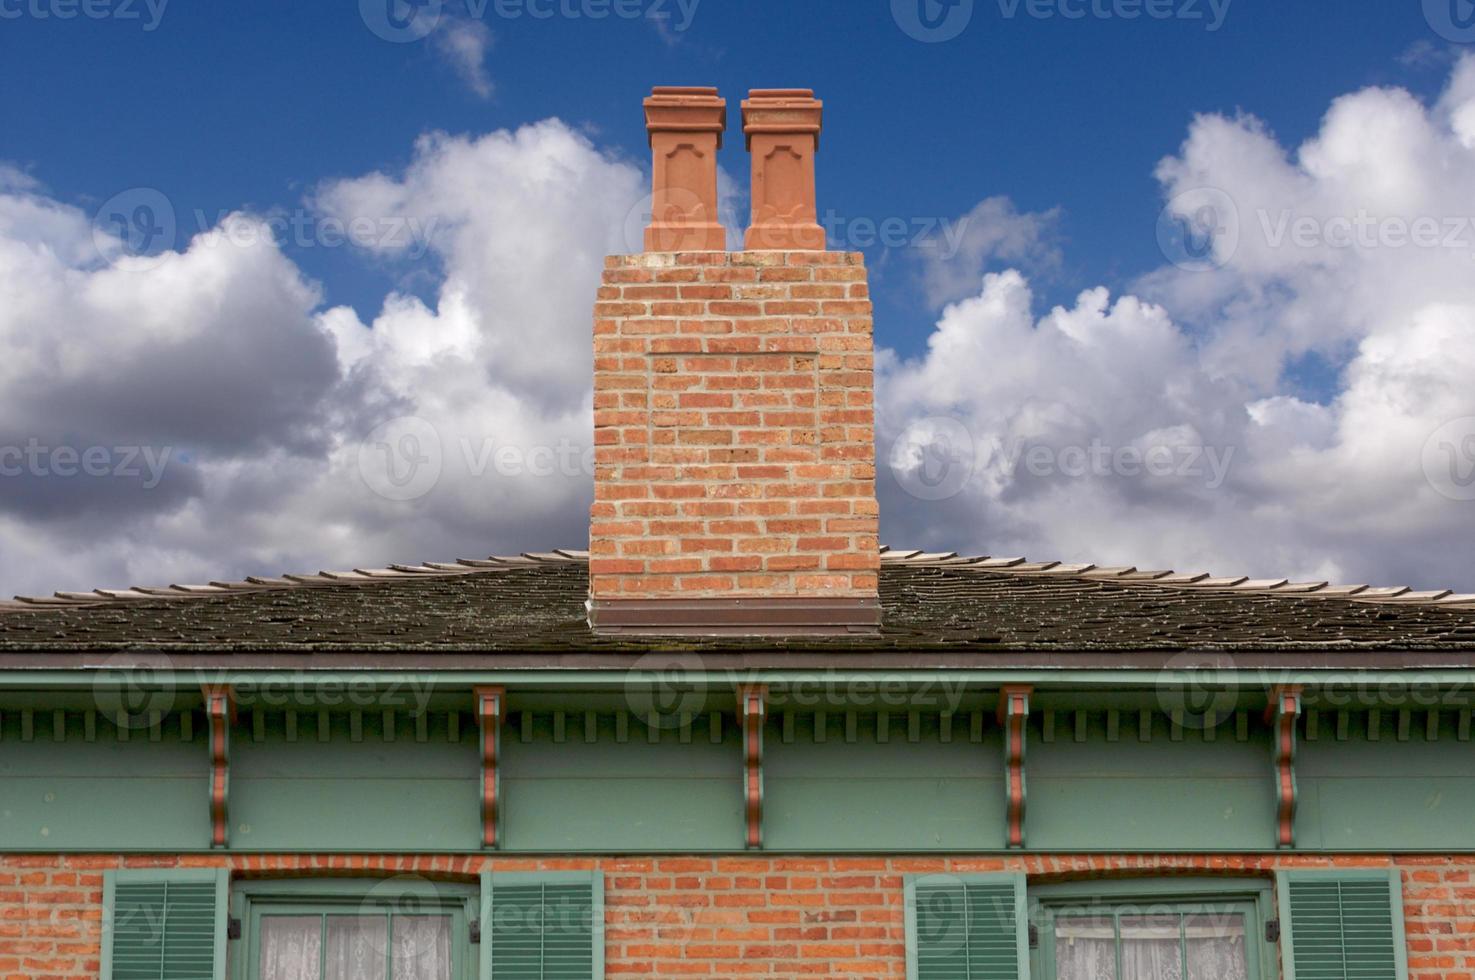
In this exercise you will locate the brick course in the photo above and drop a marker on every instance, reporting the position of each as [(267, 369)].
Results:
[(733, 427), (714, 917)]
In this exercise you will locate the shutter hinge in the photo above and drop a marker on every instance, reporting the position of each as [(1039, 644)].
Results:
[(475, 931), (1272, 930), (233, 928), (1034, 936)]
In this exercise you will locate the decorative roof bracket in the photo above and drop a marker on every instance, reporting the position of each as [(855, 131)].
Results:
[(1013, 713), (220, 713), (1282, 713), (752, 712), (491, 703)]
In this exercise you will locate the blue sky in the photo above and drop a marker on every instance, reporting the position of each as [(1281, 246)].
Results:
[(223, 106), (1319, 388)]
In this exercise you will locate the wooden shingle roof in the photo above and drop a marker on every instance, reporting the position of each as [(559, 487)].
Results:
[(931, 602)]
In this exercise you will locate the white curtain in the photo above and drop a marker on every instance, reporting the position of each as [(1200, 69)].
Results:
[(1216, 948), (358, 947), (1086, 948), (291, 947), (1150, 949), (422, 947)]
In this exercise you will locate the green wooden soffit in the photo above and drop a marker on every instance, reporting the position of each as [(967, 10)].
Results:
[(625, 781)]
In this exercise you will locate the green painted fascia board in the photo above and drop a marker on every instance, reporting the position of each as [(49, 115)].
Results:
[(616, 679), (1395, 901), (939, 852), (111, 879)]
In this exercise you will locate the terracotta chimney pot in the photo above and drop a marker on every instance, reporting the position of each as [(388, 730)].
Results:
[(782, 126), (685, 126)]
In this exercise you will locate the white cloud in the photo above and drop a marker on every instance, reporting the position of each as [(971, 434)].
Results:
[(275, 408), (1337, 489), (221, 353), (993, 233), (464, 43)]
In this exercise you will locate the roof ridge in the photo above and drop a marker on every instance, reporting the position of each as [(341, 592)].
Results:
[(293, 581), (1011, 566), (1199, 581)]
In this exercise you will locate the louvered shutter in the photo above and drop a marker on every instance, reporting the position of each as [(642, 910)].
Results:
[(967, 927), (1342, 925), (542, 927), (164, 925)]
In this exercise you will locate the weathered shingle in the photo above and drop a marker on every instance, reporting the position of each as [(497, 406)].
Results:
[(931, 602)]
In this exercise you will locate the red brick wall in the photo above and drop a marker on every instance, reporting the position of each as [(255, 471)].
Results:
[(733, 427), (714, 917)]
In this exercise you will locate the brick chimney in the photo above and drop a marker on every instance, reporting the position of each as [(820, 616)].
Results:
[(733, 419)]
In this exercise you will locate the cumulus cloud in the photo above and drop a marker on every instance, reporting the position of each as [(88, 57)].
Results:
[(1356, 246), (993, 233), (1160, 427), (285, 422)]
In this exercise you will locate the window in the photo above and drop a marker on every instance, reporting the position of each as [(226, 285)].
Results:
[(397, 929), (1335, 925), (173, 925), (1150, 941)]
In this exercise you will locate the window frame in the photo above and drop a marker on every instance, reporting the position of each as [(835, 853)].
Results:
[(1255, 897), (250, 900)]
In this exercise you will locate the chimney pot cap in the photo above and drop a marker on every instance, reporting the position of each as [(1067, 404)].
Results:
[(782, 111), (685, 109), (684, 93), (768, 94)]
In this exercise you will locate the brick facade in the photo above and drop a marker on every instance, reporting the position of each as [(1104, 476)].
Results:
[(735, 448), (715, 917)]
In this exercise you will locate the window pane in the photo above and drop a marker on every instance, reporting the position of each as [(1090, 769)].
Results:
[(1150, 948), (1216, 947), (1085, 948), (357, 947), (422, 947), (291, 946)]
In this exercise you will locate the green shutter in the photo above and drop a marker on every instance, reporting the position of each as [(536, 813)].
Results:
[(542, 926), (164, 925), (967, 927), (1342, 925)]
